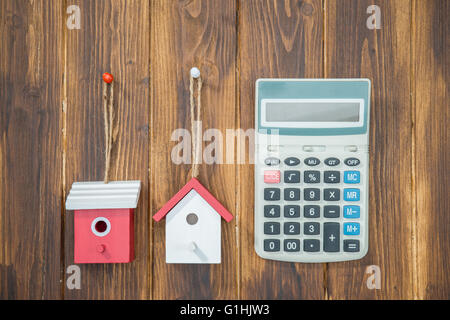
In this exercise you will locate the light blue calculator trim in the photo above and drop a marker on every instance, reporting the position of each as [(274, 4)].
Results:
[(313, 89)]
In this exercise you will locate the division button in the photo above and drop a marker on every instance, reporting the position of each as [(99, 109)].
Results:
[(332, 177), (331, 236)]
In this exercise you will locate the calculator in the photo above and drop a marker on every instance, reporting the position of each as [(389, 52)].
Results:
[(312, 169)]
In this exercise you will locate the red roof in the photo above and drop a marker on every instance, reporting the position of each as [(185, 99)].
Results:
[(203, 192)]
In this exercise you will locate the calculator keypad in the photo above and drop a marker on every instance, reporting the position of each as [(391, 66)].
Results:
[(312, 206)]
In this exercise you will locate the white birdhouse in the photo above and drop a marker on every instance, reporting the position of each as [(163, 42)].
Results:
[(193, 225)]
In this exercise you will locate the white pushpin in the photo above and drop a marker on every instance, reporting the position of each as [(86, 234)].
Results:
[(193, 246), (195, 72)]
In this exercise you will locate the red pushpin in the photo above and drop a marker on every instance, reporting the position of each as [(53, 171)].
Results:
[(101, 248), (108, 77)]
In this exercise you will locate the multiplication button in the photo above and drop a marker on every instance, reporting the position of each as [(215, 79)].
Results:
[(331, 194)]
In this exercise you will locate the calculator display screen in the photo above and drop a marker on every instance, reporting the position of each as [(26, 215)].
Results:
[(312, 112)]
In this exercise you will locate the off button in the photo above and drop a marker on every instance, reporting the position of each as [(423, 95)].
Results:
[(351, 162)]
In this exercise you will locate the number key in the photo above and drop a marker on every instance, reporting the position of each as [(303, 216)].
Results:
[(271, 245), (311, 194), (291, 194), (271, 228), (311, 228), (292, 211), (291, 245), (292, 228), (311, 211), (271, 194), (272, 211)]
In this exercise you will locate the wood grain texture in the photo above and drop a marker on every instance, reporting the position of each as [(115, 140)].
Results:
[(353, 50), (114, 37), (30, 149), (277, 39), (431, 96), (187, 34)]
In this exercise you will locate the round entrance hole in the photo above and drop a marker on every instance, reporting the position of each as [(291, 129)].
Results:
[(101, 226), (191, 218)]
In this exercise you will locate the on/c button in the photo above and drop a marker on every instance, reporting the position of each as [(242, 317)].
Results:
[(272, 176)]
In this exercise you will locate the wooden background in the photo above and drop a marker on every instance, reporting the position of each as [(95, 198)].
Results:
[(51, 134)]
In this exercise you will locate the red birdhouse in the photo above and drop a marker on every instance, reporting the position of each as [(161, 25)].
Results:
[(103, 220)]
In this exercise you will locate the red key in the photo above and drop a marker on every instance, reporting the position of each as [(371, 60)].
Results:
[(272, 176)]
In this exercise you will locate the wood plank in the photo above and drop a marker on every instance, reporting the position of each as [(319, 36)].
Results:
[(278, 39), (187, 34), (30, 149), (114, 37), (352, 50), (431, 70)]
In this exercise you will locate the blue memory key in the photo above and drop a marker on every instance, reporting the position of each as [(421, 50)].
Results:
[(352, 177), (351, 229), (351, 212), (351, 194)]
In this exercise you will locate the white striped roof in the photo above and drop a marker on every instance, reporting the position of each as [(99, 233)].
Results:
[(98, 195)]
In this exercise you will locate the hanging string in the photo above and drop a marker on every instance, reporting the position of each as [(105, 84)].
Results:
[(195, 131), (108, 103)]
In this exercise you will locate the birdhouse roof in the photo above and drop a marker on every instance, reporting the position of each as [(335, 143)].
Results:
[(203, 192), (100, 195)]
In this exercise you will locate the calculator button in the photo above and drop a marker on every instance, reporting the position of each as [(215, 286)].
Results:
[(312, 161), (292, 228), (351, 212), (271, 211), (292, 161), (311, 228), (351, 245), (311, 211), (331, 211), (332, 177), (331, 237), (271, 194), (311, 245), (271, 228), (291, 176), (272, 176), (311, 176), (351, 177), (351, 194), (351, 162), (271, 245), (311, 194), (291, 194), (272, 161), (332, 162), (331, 194), (292, 211), (351, 229), (291, 245)]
